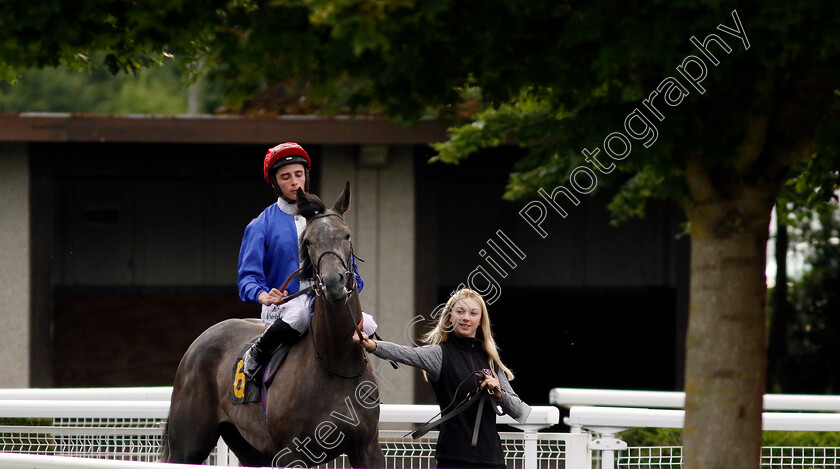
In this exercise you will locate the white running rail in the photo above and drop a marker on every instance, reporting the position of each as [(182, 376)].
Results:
[(152, 404), (41, 461), (568, 397), (609, 412), (541, 416), (612, 420), (151, 393)]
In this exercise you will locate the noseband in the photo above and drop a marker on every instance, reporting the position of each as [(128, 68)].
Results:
[(350, 279)]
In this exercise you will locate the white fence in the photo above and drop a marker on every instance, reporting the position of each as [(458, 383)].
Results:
[(609, 412), (127, 424), (569, 397)]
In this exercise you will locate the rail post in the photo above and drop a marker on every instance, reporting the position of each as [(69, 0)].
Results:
[(530, 444), (607, 444), (578, 455), (540, 417)]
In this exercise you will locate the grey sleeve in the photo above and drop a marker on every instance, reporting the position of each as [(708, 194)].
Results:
[(511, 403), (426, 357)]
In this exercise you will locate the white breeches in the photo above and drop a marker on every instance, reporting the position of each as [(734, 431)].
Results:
[(298, 311)]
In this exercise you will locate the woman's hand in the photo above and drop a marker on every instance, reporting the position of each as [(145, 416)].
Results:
[(366, 342), (492, 384), (273, 297)]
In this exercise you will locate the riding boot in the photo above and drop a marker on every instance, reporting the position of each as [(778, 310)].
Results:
[(279, 332)]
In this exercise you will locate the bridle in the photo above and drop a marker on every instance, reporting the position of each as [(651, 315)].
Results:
[(350, 278), (318, 287), (318, 283)]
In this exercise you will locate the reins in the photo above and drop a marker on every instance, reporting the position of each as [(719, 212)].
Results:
[(318, 286), (302, 291), (324, 364)]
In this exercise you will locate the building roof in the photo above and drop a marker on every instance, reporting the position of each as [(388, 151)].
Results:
[(67, 127)]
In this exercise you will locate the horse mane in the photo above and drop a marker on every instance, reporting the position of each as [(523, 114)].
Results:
[(307, 208)]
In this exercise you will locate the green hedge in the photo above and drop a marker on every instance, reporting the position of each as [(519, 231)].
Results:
[(26, 422), (673, 437)]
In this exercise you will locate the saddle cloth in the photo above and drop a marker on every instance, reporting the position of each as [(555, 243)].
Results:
[(245, 391)]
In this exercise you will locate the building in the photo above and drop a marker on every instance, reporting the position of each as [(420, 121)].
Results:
[(119, 240)]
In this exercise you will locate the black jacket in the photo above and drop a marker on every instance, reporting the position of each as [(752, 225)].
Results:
[(462, 357)]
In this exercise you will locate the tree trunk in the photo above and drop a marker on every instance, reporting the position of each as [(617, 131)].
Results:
[(726, 342)]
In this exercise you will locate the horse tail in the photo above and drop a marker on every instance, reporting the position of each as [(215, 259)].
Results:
[(165, 452)]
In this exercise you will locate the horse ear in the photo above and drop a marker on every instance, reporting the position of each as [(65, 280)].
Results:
[(301, 199), (343, 202), (306, 205)]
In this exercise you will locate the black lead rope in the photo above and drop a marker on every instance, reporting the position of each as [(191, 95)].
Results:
[(478, 418), (478, 395)]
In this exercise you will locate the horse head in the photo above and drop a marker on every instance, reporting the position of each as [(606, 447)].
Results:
[(326, 251)]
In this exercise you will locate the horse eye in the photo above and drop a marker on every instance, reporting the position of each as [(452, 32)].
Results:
[(347, 237)]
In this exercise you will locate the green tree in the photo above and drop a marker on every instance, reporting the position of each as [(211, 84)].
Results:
[(806, 214), (158, 90), (717, 130), (808, 330)]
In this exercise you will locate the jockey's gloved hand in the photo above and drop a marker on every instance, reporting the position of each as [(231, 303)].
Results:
[(369, 325)]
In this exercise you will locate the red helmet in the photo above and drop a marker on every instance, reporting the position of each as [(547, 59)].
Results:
[(290, 153)]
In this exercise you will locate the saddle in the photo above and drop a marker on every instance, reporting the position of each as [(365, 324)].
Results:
[(246, 391)]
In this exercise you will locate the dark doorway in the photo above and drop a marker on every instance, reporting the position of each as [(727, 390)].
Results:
[(142, 253), (590, 305), (586, 338)]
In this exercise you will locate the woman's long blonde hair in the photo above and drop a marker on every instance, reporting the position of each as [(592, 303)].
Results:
[(440, 333)]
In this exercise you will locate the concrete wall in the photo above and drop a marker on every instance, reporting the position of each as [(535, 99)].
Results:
[(15, 296), (381, 217)]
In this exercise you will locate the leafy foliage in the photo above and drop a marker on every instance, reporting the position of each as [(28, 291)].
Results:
[(620, 59), (635, 437), (531, 65), (673, 437), (159, 90), (808, 365), (37, 422)]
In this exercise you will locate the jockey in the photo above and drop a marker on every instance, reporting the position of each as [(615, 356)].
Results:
[(269, 255)]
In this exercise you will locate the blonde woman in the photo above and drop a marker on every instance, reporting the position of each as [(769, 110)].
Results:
[(460, 357)]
